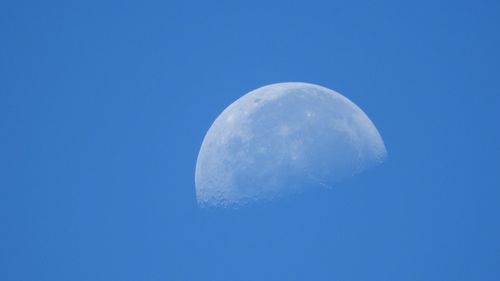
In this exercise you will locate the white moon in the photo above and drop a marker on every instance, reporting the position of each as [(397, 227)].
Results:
[(283, 138)]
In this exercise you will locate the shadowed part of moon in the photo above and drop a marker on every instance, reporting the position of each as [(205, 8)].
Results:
[(283, 138)]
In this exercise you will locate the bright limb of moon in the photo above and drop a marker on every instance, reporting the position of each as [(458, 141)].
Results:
[(283, 138)]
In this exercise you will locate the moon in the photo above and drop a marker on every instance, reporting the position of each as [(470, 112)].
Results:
[(281, 139)]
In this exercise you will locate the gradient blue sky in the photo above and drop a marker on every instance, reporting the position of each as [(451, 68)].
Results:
[(104, 105)]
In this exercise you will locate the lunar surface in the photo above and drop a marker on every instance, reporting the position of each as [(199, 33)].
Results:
[(280, 139)]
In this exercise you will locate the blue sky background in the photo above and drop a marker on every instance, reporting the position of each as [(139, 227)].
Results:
[(104, 105)]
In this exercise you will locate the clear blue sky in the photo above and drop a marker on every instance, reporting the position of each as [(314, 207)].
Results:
[(104, 105)]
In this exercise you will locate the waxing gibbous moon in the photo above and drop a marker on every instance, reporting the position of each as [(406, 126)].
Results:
[(284, 138)]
